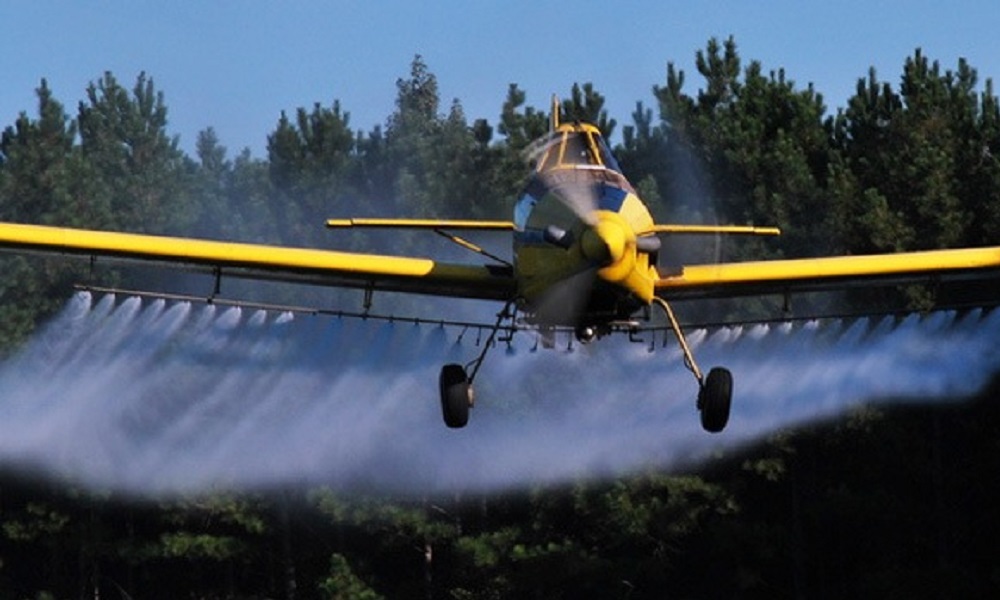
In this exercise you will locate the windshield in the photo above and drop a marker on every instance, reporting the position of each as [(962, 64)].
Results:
[(606, 157), (575, 148)]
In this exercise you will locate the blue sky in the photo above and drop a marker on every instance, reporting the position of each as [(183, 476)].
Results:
[(235, 65)]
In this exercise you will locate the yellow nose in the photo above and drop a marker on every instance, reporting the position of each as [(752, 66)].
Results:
[(605, 242)]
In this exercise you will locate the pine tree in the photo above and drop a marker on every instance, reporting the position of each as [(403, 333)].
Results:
[(44, 180), (140, 171), (310, 163)]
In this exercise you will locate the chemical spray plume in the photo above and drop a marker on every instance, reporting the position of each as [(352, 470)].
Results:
[(154, 398)]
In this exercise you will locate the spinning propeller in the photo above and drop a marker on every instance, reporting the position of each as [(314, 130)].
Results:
[(599, 244)]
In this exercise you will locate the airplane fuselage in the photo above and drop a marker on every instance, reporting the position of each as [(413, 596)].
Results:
[(582, 247)]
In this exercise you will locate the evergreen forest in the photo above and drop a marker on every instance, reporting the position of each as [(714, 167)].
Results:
[(883, 503)]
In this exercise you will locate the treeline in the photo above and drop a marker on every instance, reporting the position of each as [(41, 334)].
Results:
[(907, 166)]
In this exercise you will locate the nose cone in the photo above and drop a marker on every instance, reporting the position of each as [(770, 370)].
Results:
[(610, 244), (605, 243)]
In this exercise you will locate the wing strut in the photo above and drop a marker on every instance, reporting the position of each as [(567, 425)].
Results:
[(464, 243)]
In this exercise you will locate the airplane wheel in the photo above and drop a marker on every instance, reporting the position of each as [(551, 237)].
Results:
[(456, 395), (715, 400)]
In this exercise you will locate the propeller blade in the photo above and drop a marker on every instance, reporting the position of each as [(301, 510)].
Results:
[(579, 195), (566, 300)]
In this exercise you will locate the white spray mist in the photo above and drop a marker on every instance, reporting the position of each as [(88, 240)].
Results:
[(152, 398)]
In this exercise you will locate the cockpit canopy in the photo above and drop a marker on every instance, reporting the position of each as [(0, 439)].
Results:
[(575, 146)]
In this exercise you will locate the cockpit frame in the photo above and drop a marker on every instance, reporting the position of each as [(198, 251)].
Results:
[(575, 146)]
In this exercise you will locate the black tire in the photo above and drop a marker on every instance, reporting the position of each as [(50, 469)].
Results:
[(456, 395), (715, 399)]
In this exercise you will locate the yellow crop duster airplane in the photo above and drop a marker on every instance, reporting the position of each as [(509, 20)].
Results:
[(585, 257)]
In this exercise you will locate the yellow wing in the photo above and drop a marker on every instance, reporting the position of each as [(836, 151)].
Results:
[(420, 224), (257, 261), (713, 229), (780, 276)]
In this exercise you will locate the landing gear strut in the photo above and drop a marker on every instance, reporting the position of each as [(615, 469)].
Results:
[(457, 395), (715, 392)]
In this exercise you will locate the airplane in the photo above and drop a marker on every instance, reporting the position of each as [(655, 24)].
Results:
[(586, 258)]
